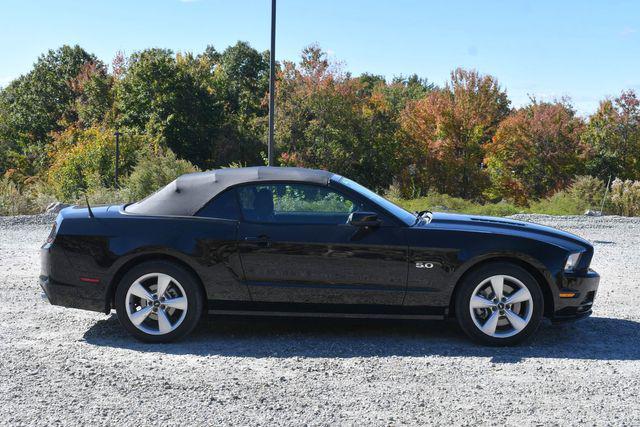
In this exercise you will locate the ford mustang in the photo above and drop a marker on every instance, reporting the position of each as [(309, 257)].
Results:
[(301, 242)]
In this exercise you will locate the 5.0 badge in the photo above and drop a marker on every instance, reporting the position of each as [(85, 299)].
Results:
[(423, 264)]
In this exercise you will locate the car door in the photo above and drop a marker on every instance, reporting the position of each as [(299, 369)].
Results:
[(296, 247), (216, 249)]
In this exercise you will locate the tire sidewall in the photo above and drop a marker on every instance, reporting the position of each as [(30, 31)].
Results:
[(474, 279), (188, 282)]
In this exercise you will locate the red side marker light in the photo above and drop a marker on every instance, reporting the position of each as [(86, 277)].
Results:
[(89, 280)]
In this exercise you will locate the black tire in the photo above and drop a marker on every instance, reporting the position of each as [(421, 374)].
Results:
[(186, 281), (466, 318)]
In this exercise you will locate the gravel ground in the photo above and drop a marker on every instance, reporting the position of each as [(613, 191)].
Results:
[(65, 366)]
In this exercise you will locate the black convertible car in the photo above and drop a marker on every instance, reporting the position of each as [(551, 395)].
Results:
[(300, 242)]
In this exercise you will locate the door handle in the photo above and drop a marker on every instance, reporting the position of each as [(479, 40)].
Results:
[(258, 240)]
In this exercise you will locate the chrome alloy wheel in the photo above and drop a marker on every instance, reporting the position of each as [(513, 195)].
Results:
[(156, 303), (501, 306)]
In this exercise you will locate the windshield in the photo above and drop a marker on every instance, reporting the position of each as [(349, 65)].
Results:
[(404, 215)]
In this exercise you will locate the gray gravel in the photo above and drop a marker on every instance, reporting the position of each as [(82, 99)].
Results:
[(65, 366)]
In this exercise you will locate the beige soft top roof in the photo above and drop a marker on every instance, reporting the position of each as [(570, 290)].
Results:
[(189, 193)]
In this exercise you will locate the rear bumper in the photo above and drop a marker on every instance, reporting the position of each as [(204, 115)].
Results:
[(71, 296), (585, 287), (66, 289)]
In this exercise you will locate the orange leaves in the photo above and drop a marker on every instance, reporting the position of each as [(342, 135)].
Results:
[(534, 152), (291, 159), (449, 127)]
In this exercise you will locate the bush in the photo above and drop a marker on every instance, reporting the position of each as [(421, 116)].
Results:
[(79, 156), (25, 198), (444, 202), (584, 193), (12, 200), (153, 171), (100, 195), (561, 203), (588, 190), (625, 197), (40, 194)]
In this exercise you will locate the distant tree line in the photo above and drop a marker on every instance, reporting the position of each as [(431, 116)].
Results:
[(463, 139)]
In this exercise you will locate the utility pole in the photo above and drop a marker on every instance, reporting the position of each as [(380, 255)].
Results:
[(117, 134), (272, 83)]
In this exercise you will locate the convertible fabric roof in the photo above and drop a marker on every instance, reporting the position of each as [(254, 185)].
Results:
[(188, 193)]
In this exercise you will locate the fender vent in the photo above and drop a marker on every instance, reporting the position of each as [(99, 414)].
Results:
[(497, 221)]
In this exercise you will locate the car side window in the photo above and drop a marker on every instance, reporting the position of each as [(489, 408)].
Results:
[(224, 206), (294, 204)]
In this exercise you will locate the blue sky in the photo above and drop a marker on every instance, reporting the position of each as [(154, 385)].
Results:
[(582, 49)]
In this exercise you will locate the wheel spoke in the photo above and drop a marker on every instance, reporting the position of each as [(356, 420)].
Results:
[(179, 303), (138, 290), (139, 316), (516, 321), (478, 301), (519, 296), (490, 325), (163, 284), (497, 284), (163, 300), (164, 325)]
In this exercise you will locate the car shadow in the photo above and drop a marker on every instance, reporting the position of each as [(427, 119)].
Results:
[(597, 338)]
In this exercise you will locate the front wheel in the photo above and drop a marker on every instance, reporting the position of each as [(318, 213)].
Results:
[(158, 301), (499, 304)]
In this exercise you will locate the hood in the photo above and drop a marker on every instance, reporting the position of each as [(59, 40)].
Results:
[(506, 225)]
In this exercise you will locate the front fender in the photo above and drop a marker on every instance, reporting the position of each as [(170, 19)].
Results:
[(454, 253)]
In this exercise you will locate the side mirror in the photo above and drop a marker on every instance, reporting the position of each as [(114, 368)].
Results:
[(364, 219)]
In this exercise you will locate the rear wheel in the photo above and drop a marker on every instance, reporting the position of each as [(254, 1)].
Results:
[(158, 301), (499, 304)]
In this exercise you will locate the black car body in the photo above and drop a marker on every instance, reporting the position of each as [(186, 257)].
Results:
[(374, 260)]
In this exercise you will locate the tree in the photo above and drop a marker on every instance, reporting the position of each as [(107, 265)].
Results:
[(171, 97), (242, 75), (212, 109), (370, 82), (208, 109), (241, 78), (42, 101), (326, 120), (94, 102), (445, 133), (402, 90), (535, 152), (613, 137)]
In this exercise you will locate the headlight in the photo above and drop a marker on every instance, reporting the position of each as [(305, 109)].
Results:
[(572, 261)]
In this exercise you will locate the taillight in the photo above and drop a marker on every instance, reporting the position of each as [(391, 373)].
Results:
[(52, 234)]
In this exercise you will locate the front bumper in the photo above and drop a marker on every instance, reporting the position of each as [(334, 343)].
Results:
[(585, 287)]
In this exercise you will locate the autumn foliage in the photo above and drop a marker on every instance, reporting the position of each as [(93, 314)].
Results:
[(447, 131), (535, 152), (463, 138)]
